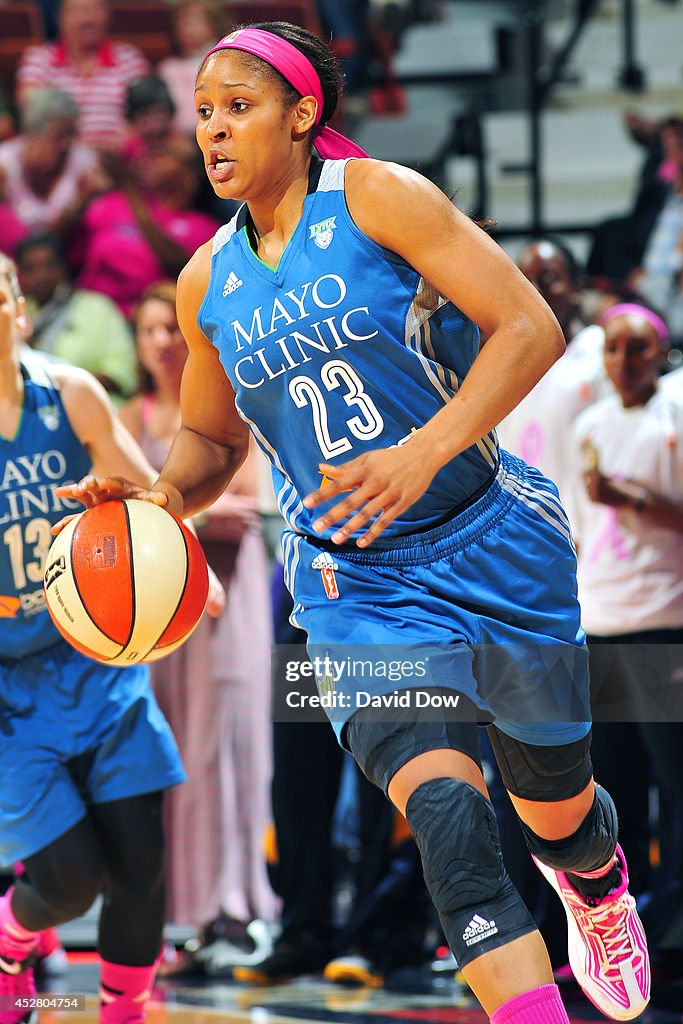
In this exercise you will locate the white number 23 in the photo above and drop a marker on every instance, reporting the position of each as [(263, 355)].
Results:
[(335, 373)]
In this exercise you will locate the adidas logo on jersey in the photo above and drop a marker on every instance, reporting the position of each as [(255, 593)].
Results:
[(232, 283), (478, 928)]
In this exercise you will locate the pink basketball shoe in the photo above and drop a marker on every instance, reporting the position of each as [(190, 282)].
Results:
[(607, 945), (16, 984)]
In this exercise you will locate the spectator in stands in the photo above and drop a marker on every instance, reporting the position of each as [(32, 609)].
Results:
[(628, 457), (196, 26), (48, 173), (645, 247), (660, 276), (646, 131), (82, 327), (149, 112), (146, 229), (216, 688), (87, 65), (554, 271), (538, 428)]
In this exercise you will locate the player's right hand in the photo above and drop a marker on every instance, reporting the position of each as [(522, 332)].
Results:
[(93, 490)]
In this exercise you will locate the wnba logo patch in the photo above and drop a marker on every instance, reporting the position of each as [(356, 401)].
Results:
[(327, 565), (49, 415), (322, 233)]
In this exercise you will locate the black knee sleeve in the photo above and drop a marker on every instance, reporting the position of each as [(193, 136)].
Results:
[(456, 833), (589, 848), (62, 881), (533, 772), (382, 743), (132, 917)]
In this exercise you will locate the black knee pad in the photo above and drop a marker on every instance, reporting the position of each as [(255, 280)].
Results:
[(456, 833), (589, 848)]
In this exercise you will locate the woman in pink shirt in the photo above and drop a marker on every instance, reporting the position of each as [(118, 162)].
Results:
[(146, 230)]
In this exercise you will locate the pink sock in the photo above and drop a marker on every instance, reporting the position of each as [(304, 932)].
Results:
[(124, 992), (539, 1006), (16, 941)]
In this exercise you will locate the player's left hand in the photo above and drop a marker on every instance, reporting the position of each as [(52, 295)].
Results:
[(383, 483)]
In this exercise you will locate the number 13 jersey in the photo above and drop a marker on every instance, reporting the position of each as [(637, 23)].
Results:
[(43, 455), (341, 349)]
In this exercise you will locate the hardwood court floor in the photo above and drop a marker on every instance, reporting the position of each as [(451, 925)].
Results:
[(310, 1000)]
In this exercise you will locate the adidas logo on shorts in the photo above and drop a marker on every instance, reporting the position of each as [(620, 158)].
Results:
[(233, 282), (478, 928)]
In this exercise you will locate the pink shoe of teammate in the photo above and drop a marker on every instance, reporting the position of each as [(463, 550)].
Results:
[(607, 945), (16, 984)]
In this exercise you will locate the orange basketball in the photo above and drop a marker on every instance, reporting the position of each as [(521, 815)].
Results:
[(125, 582)]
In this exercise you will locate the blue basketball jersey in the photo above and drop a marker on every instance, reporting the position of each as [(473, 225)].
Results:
[(43, 454), (341, 349)]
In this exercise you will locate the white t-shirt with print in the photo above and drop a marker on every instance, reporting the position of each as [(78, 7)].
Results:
[(630, 571)]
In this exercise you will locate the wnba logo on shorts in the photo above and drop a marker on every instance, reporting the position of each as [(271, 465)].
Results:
[(326, 564)]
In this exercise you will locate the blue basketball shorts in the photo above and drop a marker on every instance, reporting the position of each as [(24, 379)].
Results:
[(485, 605), (74, 732)]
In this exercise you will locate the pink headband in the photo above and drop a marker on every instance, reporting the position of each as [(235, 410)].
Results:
[(300, 73), (634, 309)]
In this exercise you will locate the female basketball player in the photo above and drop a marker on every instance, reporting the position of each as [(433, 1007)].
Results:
[(85, 753), (337, 317)]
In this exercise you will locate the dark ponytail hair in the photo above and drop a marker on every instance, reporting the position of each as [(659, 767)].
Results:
[(320, 56)]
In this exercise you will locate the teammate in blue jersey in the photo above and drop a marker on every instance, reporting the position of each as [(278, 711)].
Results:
[(337, 317), (85, 753)]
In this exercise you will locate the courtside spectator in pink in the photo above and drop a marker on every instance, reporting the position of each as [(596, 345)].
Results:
[(84, 63)]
